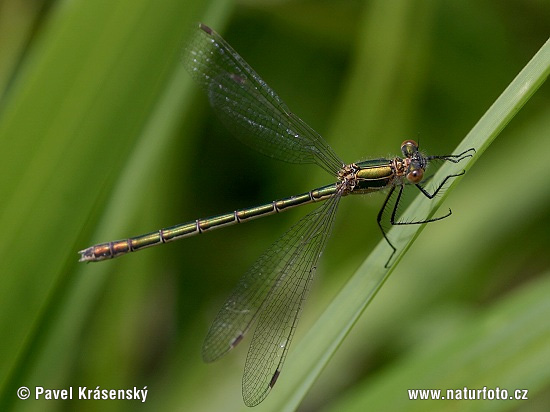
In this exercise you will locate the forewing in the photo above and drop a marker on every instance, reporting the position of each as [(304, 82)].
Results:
[(249, 107)]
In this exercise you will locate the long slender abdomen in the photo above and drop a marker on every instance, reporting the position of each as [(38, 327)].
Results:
[(117, 248)]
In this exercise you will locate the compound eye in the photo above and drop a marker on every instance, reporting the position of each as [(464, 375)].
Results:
[(409, 148), (415, 175)]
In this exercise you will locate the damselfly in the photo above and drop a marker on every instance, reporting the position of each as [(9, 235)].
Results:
[(273, 289)]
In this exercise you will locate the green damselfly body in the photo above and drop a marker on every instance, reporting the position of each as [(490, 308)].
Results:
[(272, 291)]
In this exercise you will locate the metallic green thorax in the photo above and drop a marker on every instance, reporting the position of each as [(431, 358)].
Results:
[(356, 178), (374, 175)]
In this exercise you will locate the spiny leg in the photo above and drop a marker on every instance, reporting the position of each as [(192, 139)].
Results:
[(434, 194), (429, 196), (393, 219), (379, 221), (454, 158), (450, 158)]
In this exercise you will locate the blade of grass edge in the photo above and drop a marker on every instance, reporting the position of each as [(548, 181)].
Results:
[(307, 361)]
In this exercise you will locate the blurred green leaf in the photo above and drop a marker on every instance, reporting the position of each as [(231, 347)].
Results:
[(94, 81)]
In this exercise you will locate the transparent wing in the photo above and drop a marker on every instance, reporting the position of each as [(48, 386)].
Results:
[(279, 317), (249, 107), (273, 289)]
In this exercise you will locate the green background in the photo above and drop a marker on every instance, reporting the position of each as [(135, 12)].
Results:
[(103, 136)]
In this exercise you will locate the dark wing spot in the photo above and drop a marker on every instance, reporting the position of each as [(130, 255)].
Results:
[(237, 340), (205, 28), (274, 378), (237, 79)]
